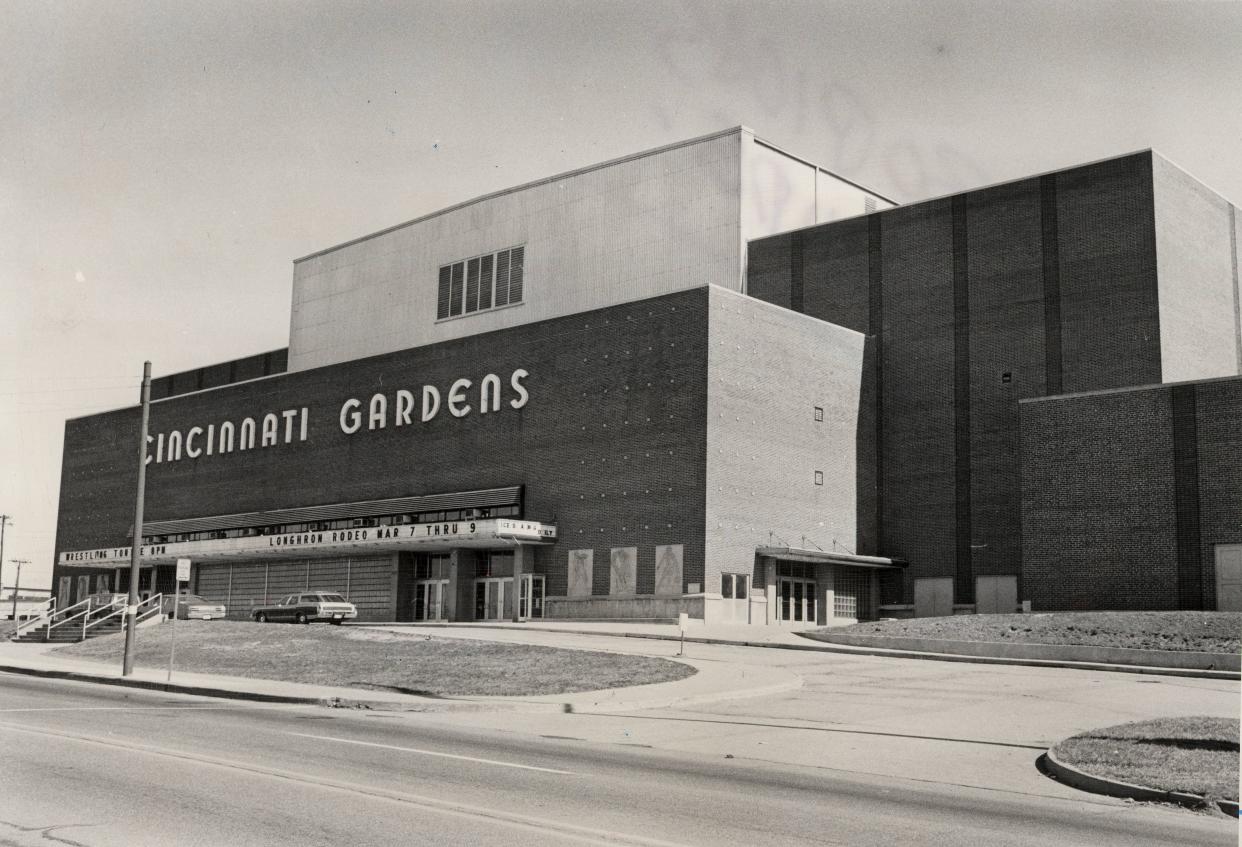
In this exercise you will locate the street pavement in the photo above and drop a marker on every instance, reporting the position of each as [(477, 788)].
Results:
[(762, 746)]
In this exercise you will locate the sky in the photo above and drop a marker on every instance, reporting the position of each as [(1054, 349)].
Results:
[(161, 165)]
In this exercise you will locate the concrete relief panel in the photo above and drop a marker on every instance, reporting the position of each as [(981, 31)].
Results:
[(581, 564), (623, 575), (668, 561)]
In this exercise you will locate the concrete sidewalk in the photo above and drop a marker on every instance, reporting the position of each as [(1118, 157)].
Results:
[(714, 681)]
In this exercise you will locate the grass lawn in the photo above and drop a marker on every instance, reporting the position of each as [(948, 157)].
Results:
[(1196, 755), (375, 659), (7, 627), (1208, 632)]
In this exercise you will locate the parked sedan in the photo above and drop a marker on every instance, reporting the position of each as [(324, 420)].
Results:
[(193, 607), (305, 608)]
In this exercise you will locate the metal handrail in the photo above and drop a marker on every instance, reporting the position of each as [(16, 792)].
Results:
[(48, 618), (117, 609), (36, 622), (156, 606), (47, 635), (85, 615)]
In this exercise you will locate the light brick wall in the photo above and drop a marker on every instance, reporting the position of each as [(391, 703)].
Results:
[(768, 368), (1199, 335), (657, 222)]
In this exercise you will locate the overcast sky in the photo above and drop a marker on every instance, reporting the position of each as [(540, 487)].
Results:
[(161, 164)]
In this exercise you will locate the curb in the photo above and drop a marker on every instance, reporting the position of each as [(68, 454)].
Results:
[(563, 702), (825, 647), (1084, 781), (1151, 670), (1138, 657), (204, 691)]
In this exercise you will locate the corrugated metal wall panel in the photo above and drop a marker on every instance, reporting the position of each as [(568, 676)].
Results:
[(247, 591), (370, 587)]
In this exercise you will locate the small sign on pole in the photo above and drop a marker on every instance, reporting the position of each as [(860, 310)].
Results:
[(183, 576)]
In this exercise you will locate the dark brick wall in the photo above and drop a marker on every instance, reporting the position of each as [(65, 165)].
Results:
[(223, 373), (1006, 329), (1218, 413), (1110, 317), (611, 446), (1105, 511), (916, 404), (1055, 287)]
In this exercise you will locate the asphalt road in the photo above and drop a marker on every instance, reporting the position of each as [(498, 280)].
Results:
[(96, 765)]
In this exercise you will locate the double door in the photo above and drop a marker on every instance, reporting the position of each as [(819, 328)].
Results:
[(797, 600), (494, 598), (429, 600)]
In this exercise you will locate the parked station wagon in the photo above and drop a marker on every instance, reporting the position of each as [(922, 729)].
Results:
[(307, 608)]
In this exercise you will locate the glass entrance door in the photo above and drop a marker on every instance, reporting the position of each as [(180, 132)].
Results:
[(530, 599), (797, 600), (493, 599), (429, 600)]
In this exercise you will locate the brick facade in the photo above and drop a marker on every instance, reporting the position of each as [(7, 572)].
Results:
[(610, 446), (972, 304), (1105, 517)]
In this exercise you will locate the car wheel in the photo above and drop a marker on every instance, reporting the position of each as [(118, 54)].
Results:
[(302, 617), (261, 618)]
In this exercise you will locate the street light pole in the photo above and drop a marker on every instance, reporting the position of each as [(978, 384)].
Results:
[(135, 550)]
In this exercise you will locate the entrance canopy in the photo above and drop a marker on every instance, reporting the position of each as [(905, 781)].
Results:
[(484, 533), (798, 554)]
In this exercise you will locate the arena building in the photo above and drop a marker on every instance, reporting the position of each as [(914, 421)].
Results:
[(714, 378)]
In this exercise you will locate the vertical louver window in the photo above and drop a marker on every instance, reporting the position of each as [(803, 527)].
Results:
[(472, 285), (442, 299), (455, 292), (482, 283), (485, 290), (502, 278)]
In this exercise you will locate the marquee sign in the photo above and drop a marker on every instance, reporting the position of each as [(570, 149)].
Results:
[(495, 532)]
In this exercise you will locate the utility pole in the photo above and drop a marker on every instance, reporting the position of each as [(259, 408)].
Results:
[(4, 519), (135, 550), (17, 583)]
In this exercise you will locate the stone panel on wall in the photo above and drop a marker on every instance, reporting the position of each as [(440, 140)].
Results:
[(668, 561), (580, 573), (622, 570)]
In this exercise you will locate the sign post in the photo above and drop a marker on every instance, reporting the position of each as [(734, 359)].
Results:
[(183, 576), (683, 621)]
